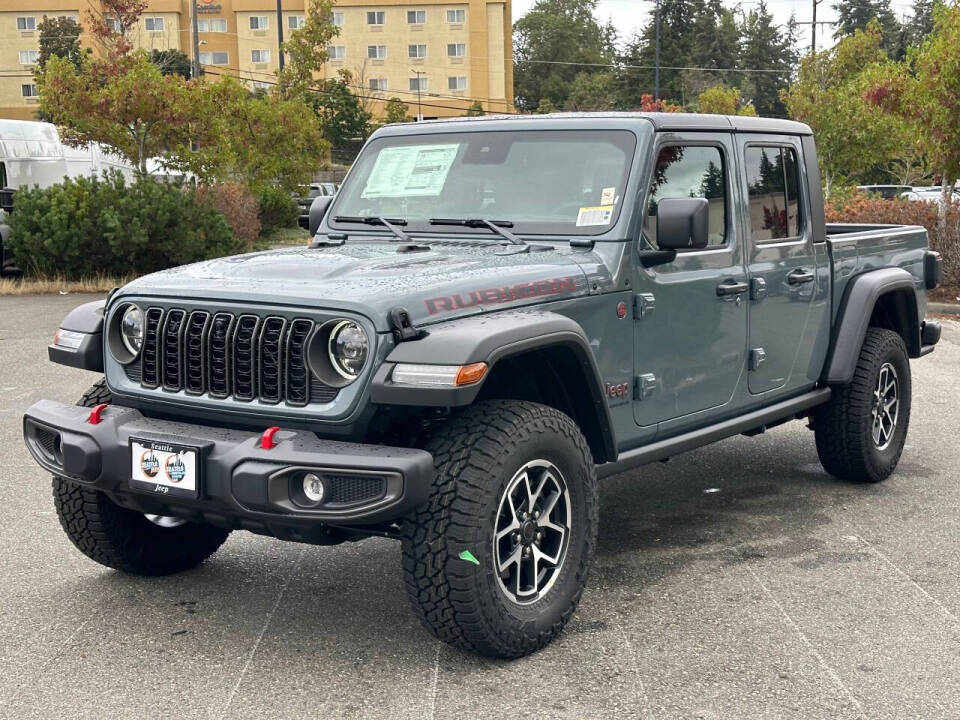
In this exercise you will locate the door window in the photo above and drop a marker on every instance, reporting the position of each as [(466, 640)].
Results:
[(690, 171), (773, 187)]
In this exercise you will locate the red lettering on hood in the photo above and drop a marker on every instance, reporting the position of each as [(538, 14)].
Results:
[(495, 295)]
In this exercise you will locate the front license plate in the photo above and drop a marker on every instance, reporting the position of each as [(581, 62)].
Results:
[(164, 468)]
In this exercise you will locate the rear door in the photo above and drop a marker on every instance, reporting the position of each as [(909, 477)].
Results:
[(789, 291), (691, 327)]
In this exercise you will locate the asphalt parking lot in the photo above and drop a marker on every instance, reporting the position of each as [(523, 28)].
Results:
[(738, 581)]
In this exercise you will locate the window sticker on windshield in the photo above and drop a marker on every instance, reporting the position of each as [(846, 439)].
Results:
[(599, 215), (417, 171), (608, 195)]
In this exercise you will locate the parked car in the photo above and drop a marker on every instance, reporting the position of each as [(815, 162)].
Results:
[(493, 314), (325, 189), (887, 192), (929, 194)]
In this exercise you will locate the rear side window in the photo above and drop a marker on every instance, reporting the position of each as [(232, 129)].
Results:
[(691, 171), (773, 186)]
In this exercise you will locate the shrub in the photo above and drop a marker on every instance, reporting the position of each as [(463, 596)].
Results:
[(238, 206), (99, 226), (278, 209), (857, 207)]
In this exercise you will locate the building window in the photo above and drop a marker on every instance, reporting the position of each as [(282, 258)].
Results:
[(74, 18), (113, 23), (29, 91), (153, 24), (773, 185), (377, 52), (457, 83), (417, 51), (218, 25), (456, 17), (259, 56), (456, 49), (378, 84), (260, 85), (25, 24), (259, 22), (336, 52), (418, 84), (295, 22), (29, 57), (690, 171), (416, 17), (377, 17), (215, 58), (336, 18)]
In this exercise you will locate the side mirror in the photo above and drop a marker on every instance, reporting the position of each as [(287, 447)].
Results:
[(318, 208), (681, 223)]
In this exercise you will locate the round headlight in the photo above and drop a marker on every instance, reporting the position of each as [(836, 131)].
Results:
[(348, 347), (131, 329)]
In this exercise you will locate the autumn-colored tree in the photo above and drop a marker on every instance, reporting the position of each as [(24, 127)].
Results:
[(110, 23), (126, 103), (720, 100), (852, 135), (925, 92), (648, 104), (306, 50)]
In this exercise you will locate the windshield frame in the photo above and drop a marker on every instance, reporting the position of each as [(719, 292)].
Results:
[(453, 133)]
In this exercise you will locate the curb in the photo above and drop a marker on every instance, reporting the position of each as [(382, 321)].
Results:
[(942, 308)]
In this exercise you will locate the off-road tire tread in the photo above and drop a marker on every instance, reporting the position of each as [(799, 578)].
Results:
[(123, 539), (465, 452), (844, 447)]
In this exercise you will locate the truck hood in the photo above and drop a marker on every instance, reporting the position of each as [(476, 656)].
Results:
[(453, 279)]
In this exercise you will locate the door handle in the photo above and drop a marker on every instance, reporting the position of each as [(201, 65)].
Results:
[(731, 287), (798, 277)]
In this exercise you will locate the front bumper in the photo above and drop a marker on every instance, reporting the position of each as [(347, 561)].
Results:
[(241, 484)]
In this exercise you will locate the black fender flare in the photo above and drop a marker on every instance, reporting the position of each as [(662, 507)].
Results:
[(856, 309), (489, 339), (88, 320)]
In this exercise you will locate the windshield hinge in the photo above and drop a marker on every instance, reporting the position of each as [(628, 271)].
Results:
[(402, 326)]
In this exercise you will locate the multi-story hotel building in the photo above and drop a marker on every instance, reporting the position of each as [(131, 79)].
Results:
[(442, 54)]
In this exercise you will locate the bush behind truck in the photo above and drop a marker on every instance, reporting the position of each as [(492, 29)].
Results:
[(493, 314)]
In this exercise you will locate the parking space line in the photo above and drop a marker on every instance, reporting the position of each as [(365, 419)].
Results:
[(906, 577), (433, 684), (806, 641), (263, 630)]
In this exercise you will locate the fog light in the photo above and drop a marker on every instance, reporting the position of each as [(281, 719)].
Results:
[(313, 487)]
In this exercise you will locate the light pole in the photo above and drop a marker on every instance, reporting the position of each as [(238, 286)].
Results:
[(656, 62), (418, 73), (194, 27), (280, 31)]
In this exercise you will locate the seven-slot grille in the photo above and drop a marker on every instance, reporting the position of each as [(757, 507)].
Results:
[(221, 355)]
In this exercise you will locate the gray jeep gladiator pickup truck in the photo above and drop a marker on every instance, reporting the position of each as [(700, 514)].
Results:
[(492, 314)]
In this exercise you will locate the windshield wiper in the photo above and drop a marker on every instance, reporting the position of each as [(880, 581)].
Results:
[(498, 226), (389, 223)]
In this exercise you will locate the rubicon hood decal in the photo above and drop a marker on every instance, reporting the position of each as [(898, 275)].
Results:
[(494, 296)]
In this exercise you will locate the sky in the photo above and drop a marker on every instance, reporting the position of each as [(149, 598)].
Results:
[(631, 15)]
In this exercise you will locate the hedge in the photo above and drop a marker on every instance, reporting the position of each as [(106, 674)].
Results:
[(91, 226)]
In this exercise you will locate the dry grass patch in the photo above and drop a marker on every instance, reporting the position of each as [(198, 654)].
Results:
[(57, 285)]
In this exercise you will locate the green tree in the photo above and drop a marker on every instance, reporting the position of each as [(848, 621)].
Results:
[(720, 100), (475, 110), (554, 41), (592, 91), (342, 118), (396, 111), (927, 95), (59, 37), (127, 104), (171, 62), (306, 50), (853, 15), (918, 27), (545, 107), (851, 134), (771, 50)]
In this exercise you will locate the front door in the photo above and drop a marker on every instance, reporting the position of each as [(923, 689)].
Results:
[(691, 319), (789, 292)]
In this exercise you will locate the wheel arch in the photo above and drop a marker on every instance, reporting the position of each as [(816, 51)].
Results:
[(542, 356), (884, 298)]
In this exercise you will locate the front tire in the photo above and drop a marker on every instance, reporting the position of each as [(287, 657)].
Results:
[(496, 561), (861, 431), (123, 539)]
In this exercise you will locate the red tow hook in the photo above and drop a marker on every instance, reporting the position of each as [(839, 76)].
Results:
[(266, 440), (96, 412)]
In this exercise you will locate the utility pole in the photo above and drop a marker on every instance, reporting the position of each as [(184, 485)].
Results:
[(418, 73), (197, 70), (280, 31), (656, 69), (813, 27)]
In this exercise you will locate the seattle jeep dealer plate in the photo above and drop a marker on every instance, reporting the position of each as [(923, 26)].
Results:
[(163, 468)]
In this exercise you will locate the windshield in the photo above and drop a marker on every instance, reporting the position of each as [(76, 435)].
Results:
[(567, 182)]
